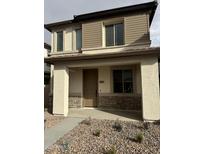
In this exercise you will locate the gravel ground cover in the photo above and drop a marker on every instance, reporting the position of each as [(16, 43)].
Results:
[(51, 120), (83, 139)]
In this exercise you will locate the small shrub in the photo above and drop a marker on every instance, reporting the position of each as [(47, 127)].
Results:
[(139, 138), (111, 151), (117, 126), (87, 121), (64, 146), (146, 125), (96, 133), (157, 122)]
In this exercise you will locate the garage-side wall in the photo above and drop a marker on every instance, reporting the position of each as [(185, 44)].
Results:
[(138, 80), (76, 88)]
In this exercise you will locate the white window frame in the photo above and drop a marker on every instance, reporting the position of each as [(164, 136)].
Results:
[(74, 37)]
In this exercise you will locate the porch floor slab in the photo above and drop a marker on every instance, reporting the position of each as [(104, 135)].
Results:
[(109, 114)]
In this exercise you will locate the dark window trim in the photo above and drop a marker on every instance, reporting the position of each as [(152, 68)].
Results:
[(123, 90), (57, 41), (76, 38)]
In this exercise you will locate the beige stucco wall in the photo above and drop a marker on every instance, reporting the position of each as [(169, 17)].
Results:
[(68, 39), (150, 89), (52, 42), (146, 77), (104, 79), (105, 83), (104, 76), (138, 79), (60, 90), (51, 80), (76, 81)]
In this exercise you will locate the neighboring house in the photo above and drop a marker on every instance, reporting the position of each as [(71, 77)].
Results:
[(104, 59), (47, 50), (47, 69)]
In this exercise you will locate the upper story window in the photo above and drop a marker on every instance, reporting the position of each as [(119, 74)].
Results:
[(122, 81), (114, 34), (78, 39), (60, 41)]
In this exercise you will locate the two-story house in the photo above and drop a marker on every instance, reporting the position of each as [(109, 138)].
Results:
[(104, 60), (47, 50)]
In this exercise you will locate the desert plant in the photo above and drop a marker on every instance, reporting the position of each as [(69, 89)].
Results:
[(87, 121), (138, 138), (65, 145), (117, 126), (146, 125), (96, 133), (111, 151), (157, 122)]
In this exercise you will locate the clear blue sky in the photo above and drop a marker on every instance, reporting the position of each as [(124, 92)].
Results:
[(58, 10)]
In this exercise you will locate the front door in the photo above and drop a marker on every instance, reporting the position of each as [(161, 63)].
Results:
[(90, 78)]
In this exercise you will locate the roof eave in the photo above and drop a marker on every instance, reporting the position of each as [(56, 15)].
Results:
[(152, 13), (50, 26)]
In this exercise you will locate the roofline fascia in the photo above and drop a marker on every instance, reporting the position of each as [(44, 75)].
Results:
[(150, 51)]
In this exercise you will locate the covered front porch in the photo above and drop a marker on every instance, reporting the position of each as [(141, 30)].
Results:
[(112, 83), (108, 87)]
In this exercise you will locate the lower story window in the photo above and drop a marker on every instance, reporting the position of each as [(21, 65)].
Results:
[(122, 81)]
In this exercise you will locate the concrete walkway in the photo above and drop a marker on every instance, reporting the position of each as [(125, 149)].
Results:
[(51, 135)]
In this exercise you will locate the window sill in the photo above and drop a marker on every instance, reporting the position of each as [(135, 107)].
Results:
[(100, 48), (64, 52)]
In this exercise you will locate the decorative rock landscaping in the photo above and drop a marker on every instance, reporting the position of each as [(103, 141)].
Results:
[(99, 136), (51, 120)]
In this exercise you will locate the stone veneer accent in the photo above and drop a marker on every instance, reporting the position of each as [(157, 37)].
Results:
[(120, 102), (75, 102)]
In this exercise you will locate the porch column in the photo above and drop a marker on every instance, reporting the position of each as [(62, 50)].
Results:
[(150, 89), (60, 90)]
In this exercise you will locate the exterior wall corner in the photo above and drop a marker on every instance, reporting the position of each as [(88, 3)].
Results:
[(150, 89), (60, 90)]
